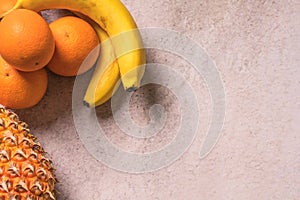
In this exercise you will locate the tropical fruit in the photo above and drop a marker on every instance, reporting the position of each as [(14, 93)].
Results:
[(26, 41), (21, 89), (75, 40), (25, 172)]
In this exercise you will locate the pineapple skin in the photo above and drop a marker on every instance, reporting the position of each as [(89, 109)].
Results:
[(25, 172)]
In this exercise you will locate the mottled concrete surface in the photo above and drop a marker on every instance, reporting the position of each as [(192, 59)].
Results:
[(254, 45)]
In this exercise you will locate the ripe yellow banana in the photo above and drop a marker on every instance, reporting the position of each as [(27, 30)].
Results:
[(115, 19), (106, 76)]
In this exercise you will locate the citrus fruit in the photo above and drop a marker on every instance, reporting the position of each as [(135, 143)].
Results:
[(21, 89), (26, 41), (75, 39), (5, 5)]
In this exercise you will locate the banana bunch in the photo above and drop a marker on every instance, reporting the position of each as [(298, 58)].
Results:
[(122, 54)]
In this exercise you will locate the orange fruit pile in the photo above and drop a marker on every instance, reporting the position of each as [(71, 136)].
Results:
[(28, 44)]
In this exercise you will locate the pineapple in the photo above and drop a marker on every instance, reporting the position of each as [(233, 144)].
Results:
[(25, 173)]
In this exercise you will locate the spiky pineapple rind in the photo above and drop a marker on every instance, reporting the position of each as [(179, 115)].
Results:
[(25, 172)]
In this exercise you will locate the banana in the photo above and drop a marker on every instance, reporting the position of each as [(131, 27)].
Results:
[(106, 75), (116, 20)]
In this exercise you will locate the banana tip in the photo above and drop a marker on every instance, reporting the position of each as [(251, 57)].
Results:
[(131, 89), (86, 104)]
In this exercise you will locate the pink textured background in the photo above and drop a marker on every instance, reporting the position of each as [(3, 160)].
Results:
[(254, 45)]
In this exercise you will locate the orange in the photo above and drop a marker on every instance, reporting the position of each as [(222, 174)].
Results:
[(5, 5), (26, 41), (21, 89), (75, 39)]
